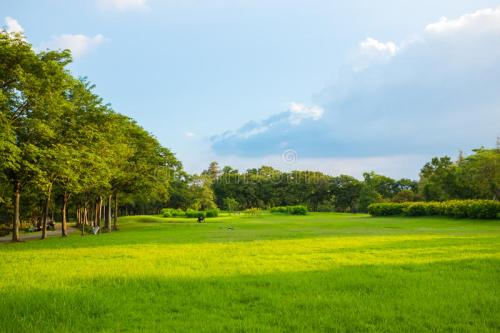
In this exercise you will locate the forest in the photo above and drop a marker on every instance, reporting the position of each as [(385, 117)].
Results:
[(67, 155)]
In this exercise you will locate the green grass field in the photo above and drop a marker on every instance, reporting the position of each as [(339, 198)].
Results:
[(321, 272)]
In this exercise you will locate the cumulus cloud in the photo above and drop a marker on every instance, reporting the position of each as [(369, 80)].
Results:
[(372, 51), (78, 44), (123, 5), (189, 134), (480, 21), (12, 26), (434, 95)]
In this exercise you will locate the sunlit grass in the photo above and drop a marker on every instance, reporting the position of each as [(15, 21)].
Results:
[(281, 273)]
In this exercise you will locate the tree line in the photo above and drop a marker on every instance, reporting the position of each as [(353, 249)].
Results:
[(62, 149), (476, 176)]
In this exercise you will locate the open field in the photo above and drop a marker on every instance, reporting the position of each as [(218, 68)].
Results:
[(321, 272)]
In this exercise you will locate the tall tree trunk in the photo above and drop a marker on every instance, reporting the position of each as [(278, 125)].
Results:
[(17, 215), (107, 217), (64, 223), (96, 213), (115, 219), (46, 213)]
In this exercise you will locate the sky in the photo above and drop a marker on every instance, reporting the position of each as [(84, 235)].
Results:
[(341, 87)]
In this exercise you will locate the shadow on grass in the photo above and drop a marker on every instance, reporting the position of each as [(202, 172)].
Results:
[(452, 296)]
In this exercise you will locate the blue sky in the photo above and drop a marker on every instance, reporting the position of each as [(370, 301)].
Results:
[(346, 86)]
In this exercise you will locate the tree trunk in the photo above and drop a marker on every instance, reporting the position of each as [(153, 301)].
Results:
[(17, 217), (46, 213), (63, 215), (115, 219), (107, 218)]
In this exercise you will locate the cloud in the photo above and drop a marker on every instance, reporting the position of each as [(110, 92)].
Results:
[(434, 94), (123, 5), (13, 26), (299, 112), (479, 22), (189, 134), (269, 135), (78, 44), (372, 51)]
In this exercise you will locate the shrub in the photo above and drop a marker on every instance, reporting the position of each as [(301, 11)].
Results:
[(166, 212), (386, 209), (178, 212), (170, 212), (298, 210), (253, 211), (293, 210), (212, 213), (474, 209), (191, 213), (415, 209), (278, 209)]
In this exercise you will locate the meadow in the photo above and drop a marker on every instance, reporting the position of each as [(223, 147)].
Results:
[(272, 273)]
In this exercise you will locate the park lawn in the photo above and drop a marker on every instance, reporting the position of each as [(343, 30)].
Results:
[(273, 273)]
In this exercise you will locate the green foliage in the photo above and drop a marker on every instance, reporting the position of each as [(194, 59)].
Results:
[(474, 209), (172, 212), (230, 204), (253, 211), (292, 210), (367, 196), (212, 213), (404, 196), (191, 213)]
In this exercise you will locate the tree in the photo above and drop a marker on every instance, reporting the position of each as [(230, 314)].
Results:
[(230, 204), (438, 179)]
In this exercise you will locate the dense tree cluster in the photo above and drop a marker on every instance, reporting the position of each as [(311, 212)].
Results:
[(474, 177), (62, 149)]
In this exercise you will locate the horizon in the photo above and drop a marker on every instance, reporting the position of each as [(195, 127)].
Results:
[(305, 88)]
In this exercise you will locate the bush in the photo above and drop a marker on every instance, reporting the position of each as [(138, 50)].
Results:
[(386, 209), (170, 212), (191, 213), (212, 213), (292, 210), (415, 209), (253, 211), (474, 209), (166, 212), (279, 209), (298, 210)]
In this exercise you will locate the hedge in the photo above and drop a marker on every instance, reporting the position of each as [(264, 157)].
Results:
[(292, 210), (474, 209), (190, 213)]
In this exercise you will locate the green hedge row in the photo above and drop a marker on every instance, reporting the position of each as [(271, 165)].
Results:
[(190, 213), (293, 210), (474, 209)]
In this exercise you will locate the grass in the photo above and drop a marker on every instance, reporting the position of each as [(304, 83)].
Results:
[(273, 273)]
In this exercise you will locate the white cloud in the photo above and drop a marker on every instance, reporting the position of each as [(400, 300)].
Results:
[(373, 45), (299, 112), (13, 26), (123, 5), (372, 51), (189, 134), (78, 44), (434, 94), (479, 21)]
